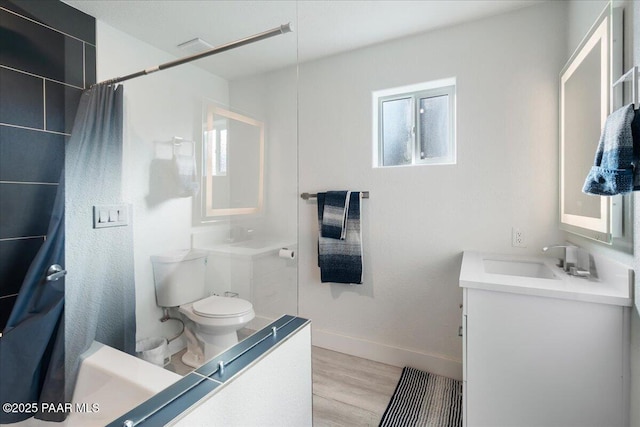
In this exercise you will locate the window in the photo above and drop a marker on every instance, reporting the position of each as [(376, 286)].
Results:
[(216, 148), (415, 124)]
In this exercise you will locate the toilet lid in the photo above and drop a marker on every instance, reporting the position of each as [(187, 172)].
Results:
[(215, 306)]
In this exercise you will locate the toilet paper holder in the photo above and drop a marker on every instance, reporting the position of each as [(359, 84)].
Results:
[(287, 253)]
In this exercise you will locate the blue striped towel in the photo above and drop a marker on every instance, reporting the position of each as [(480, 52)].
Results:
[(334, 214), (616, 161), (340, 260)]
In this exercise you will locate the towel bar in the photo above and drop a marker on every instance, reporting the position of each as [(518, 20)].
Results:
[(307, 196), (634, 75)]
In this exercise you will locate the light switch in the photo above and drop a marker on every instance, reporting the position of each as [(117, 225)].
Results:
[(103, 216), (110, 216)]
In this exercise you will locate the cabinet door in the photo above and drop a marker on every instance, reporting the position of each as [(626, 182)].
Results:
[(464, 370), (534, 361)]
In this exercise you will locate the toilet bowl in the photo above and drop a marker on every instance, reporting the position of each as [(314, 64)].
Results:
[(211, 326), (211, 322)]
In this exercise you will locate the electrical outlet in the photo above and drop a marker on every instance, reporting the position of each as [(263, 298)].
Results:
[(517, 238)]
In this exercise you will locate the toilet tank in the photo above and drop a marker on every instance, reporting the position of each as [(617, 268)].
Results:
[(179, 277)]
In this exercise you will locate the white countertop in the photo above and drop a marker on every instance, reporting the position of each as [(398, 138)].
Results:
[(249, 248), (613, 285)]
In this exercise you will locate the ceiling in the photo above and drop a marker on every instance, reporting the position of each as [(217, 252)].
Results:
[(321, 28)]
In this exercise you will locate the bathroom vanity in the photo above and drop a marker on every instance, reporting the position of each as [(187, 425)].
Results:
[(542, 348)]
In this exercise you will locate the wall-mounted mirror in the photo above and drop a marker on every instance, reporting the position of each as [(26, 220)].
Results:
[(584, 107), (233, 164), (594, 36)]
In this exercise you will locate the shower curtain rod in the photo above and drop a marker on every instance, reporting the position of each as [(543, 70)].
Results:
[(282, 29)]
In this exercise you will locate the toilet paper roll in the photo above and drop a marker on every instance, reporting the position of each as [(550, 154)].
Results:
[(286, 253)]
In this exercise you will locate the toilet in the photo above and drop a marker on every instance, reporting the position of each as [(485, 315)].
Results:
[(211, 322)]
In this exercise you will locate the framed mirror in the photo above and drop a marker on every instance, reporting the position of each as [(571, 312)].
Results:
[(584, 107), (233, 164)]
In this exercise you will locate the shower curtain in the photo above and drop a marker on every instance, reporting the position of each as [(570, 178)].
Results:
[(100, 295), (32, 344), (54, 322)]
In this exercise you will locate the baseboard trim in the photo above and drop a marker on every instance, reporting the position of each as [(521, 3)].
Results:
[(434, 363)]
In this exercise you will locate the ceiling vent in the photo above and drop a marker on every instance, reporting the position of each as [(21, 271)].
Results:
[(195, 46)]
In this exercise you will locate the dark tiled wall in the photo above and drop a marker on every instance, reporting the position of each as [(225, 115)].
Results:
[(47, 57)]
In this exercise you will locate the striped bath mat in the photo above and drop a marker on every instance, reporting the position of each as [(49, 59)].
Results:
[(424, 399)]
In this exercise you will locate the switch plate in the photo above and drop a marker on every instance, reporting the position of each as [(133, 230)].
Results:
[(110, 216)]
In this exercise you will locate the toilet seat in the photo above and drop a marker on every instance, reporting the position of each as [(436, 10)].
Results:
[(216, 307)]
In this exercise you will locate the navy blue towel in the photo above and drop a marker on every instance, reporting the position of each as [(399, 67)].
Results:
[(616, 161), (334, 214), (340, 260)]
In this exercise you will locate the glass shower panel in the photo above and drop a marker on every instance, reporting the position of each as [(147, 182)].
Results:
[(210, 166), (254, 202), (258, 271)]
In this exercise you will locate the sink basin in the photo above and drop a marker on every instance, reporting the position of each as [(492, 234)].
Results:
[(533, 269), (536, 275)]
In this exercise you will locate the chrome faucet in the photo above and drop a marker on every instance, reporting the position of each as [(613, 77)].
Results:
[(570, 255), (571, 263)]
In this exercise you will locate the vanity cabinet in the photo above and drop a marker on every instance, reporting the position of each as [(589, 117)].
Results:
[(541, 361)]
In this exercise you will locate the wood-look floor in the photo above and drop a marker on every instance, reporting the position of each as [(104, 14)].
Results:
[(350, 391), (347, 390)]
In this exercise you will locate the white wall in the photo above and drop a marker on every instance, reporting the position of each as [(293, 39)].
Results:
[(581, 15), (157, 108), (420, 219)]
